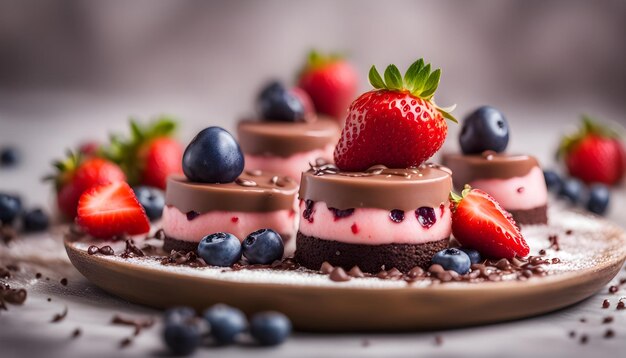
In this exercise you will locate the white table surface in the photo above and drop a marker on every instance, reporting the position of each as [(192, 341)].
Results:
[(26, 330)]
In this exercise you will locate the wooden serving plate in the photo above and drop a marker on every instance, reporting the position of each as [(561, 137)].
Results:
[(592, 251)]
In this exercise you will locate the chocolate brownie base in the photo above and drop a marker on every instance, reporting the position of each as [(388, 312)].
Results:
[(535, 216), (311, 252), (170, 244)]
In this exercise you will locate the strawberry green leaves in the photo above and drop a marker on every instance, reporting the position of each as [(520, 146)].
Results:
[(418, 79)]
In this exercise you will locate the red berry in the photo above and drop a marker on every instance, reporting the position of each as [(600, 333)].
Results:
[(109, 210), (331, 82), (480, 223), (161, 157)]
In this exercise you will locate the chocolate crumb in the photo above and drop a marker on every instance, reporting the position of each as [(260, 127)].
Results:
[(38, 275), (131, 250), (356, 272), (583, 320), (607, 319), (64, 281), (326, 268), (76, 333), (13, 296), (556, 260), (438, 340), (58, 317), (339, 275), (613, 289), (609, 333), (568, 232), (49, 299), (572, 334), (606, 304), (554, 242), (416, 272), (542, 252), (126, 342), (621, 305), (584, 339), (136, 323), (92, 250)]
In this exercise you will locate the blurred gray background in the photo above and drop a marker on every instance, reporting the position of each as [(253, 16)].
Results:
[(74, 70)]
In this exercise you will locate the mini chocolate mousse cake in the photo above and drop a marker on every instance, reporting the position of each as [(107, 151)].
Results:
[(377, 219), (515, 181), (255, 200), (287, 147)]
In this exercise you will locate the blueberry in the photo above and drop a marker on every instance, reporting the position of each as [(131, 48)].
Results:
[(35, 220), (453, 259), (473, 255), (270, 328), (572, 190), (10, 208), (213, 156), (220, 249), (484, 129), (263, 247), (152, 200), (182, 338), (179, 314), (553, 180), (9, 157), (226, 323), (599, 198), (277, 103)]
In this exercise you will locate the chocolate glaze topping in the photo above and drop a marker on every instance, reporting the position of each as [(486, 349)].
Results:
[(488, 165), (251, 192), (379, 187), (284, 139)]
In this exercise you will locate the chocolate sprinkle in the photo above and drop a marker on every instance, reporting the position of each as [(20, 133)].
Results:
[(621, 305), (181, 258), (131, 250), (606, 304), (339, 275), (104, 250), (554, 242), (613, 289), (584, 339), (136, 323), (64, 281), (126, 342), (609, 333), (58, 317), (607, 319), (76, 333)]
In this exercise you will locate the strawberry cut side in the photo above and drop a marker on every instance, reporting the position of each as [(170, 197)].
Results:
[(479, 222), (110, 210)]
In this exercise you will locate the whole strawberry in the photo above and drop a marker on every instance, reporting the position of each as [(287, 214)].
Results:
[(331, 82), (150, 155), (76, 175), (398, 124), (480, 223), (594, 154)]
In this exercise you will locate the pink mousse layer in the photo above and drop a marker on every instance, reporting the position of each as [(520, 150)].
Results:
[(240, 224), (374, 226), (517, 193), (291, 166)]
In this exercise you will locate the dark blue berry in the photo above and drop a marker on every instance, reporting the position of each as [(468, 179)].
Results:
[(553, 180), (484, 129), (263, 247), (340, 214), (213, 156), (35, 220), (308, 210), (572, 189), (9, 157), (599, 198), (397, 216), (10, 208), (426, 216), (220, 249), (474, 255), (277, 103), (182, 338), (152, 200), (453, 259), (179, 314), (226, 323), (270, 328)]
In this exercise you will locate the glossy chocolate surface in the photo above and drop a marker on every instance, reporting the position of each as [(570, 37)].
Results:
[(378, 187), (488, 165), (253, 191), (284, 139)]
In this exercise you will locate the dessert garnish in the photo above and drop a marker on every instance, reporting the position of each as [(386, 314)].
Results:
[(397, 124), (150, 154), (331, 81), (220, 249), (453, 259), (594, 153), (227, 323), (152, 200), (278, 103), (110, 210), (479, 222), (263, 247), (484, 129), (213, 156)]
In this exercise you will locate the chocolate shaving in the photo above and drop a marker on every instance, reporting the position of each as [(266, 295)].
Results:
[(607, 319), (356, 272), (64, 281), (4, 273), (609, 333), (58, 317), (12, 296), (104, 250), (131, 250), (554, 242), (139, 325), (621, 305), (613, 289), (126, 342), (76, 333), (339, 275), (606, 304), (181, 258)]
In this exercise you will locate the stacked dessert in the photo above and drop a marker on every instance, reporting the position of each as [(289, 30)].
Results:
[(381, 206), (515, 181), (289, 134), (216, 196)]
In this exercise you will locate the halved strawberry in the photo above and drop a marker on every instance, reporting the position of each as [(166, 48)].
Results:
[(480, 223), (109, 210)]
